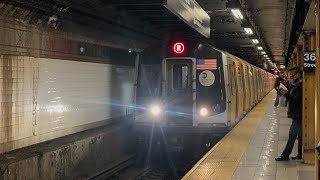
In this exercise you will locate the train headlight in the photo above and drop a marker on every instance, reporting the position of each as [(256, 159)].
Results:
[(155, 110), (204, 112)]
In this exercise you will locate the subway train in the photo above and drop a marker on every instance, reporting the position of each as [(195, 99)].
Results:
[(199, 89)]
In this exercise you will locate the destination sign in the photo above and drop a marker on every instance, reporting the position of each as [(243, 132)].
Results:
[(191, 13)]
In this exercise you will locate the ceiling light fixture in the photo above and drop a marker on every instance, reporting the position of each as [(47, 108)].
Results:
[(237, 13), (263, 52), (255, 41), (265, 56), (260, 48), (248, 30)]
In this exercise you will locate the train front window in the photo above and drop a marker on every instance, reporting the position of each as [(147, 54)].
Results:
[(180, 76)]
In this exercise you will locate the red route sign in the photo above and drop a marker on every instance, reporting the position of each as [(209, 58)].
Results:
[(178, 48)]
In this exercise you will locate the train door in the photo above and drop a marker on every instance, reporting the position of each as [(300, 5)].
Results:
[(256, 86), (246, 87), (254, 89), (260, 84), (244, 97), (251, 87), (240, 90), (178, 88), (233, 111)]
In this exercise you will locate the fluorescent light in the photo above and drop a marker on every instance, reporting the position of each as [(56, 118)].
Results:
[(248, 30), (263, 52), (237, 13), (269, 60), (255, 41), (260, 48), (265, 56)]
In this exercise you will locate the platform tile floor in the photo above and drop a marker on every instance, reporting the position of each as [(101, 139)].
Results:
[(258, 162)]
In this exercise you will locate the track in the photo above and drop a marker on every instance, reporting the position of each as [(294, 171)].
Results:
[(152, 174), (157, 160), (114, 168)]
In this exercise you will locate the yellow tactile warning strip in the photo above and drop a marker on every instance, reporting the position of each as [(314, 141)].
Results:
[(222, 160)]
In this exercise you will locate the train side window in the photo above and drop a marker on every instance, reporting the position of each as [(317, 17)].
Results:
[(180, 76)]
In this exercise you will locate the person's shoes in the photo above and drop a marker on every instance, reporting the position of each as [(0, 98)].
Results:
[(282, 158), (298, 157)]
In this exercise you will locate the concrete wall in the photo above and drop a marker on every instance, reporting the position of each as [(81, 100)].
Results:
[(76, 159)]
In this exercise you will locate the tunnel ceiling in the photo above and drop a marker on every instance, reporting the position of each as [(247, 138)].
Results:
[(151, 19), (274, 19)]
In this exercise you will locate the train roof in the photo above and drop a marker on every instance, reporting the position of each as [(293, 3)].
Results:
[(229, 54)]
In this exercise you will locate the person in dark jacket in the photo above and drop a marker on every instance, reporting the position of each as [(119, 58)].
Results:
[(278, 81), (294, 97)]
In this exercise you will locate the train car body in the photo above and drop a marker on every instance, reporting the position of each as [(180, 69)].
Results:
[(204, 90)]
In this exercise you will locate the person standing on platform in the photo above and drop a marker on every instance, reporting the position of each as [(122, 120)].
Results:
[(286, 83), (294, 96), (276, 87)]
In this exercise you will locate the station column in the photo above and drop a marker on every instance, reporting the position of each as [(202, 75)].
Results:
[(317, 85), (308, 100)]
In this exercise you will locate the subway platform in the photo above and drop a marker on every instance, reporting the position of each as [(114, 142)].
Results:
[(249, 149)]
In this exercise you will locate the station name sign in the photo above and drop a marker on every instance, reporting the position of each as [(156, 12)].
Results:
[(191, 13), (309, 61)]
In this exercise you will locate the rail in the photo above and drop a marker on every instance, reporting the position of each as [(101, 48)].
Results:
[(114, 168)]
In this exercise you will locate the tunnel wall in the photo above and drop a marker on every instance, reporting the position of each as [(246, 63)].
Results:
[(50, 89)]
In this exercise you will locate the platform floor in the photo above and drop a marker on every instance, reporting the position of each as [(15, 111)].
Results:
[(248, 151)]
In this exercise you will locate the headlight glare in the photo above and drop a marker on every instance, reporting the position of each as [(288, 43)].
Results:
[(204, 112), (155, 110)]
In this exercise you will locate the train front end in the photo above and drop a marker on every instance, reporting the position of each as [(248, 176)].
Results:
[(193, 93)]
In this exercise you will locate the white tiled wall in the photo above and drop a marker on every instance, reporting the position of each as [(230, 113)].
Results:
[(51, 98)]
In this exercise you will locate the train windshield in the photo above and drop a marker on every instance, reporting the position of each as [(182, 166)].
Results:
[(181, 77), (178, 75)]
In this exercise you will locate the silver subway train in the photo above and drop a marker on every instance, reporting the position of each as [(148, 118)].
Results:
[(202, 90)]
